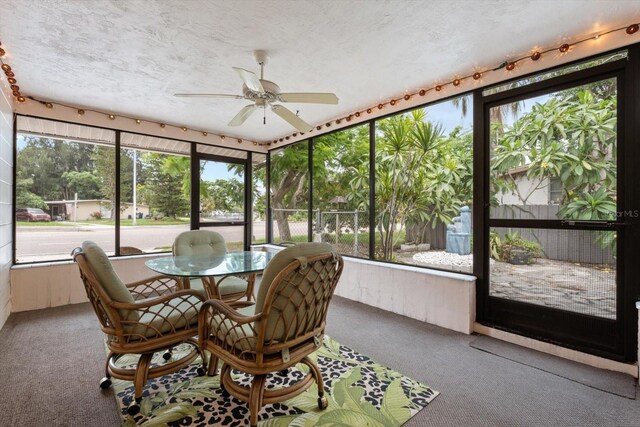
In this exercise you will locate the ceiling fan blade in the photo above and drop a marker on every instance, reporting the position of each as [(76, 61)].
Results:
[(250, 79), (242, 115), (207, 95), (310, 98), (293, 120)]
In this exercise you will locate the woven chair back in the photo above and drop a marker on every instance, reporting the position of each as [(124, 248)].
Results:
[(295, 293)]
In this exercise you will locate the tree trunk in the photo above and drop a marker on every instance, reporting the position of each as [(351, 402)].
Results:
[(282, 218), (291, 179)]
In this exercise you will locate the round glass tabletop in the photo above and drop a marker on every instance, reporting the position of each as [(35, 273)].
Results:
[(199, 266)]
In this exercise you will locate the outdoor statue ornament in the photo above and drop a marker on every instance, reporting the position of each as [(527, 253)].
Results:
[(459, 233)]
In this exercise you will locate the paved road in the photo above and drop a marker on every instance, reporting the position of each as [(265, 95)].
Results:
[(39, 243)]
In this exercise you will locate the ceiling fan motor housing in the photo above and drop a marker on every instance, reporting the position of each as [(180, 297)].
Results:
[(271, 91)]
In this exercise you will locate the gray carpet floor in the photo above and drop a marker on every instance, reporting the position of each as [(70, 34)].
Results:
[(612, 382), (51, 361)]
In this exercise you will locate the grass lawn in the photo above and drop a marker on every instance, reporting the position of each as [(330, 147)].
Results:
[(141, 222), (42, 224)]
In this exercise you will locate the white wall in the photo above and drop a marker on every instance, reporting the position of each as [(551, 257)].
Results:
[(440, 298), (526, 187), (36, 286), (6, 198), (443, 299)]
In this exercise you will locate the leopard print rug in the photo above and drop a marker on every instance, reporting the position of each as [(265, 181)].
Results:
[(360, 393)]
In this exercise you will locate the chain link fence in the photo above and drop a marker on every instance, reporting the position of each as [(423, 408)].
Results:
[(290, 225), (347, 231)]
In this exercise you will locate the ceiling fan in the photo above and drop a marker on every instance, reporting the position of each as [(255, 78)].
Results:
[(265, 93)]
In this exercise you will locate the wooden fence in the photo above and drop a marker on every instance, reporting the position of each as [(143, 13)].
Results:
[(563, 245)]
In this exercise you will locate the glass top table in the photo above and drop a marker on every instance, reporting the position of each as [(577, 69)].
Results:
[(213, 271), (198, 266)]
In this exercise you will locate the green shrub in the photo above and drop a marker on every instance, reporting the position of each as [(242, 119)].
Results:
[(500, 248)]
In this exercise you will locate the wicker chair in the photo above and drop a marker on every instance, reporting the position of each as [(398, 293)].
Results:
[(209, 243), (285, 325), (144, 317)]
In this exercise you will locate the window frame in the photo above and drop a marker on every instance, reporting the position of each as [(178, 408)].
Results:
[(475, 95), (117, 147)]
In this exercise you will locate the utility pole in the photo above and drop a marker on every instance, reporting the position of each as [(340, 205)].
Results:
[(135, 179)]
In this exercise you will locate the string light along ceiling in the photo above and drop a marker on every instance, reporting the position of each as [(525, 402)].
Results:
[(9, 73), (456, 81), (508, 65)]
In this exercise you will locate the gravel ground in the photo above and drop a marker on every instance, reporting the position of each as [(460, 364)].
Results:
[(583, 288)]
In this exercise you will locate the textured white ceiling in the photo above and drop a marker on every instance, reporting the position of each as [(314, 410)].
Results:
[(130, 56)]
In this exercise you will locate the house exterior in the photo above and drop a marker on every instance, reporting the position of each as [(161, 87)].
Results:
[(545, 191), (81, 210)]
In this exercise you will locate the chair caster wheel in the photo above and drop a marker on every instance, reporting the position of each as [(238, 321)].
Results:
[(105, 383), (167, 355), (133, 409), (323, 403), (201, 371)]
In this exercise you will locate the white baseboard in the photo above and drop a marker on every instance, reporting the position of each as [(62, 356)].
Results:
[(565, 353)]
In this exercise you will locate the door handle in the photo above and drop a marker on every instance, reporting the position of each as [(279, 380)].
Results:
[(598, 224)]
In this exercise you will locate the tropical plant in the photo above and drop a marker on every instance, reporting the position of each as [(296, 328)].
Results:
[(513, 241), (596, 206), (495, 245), (422, 177), (571, 138)]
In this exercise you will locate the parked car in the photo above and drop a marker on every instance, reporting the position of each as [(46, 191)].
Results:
[(32, 214)]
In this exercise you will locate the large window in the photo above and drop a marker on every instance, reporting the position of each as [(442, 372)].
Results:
[(423, 187), (289, 178), (72, 185), (340, 213), (154, 193), (422, 197), (65, 189)]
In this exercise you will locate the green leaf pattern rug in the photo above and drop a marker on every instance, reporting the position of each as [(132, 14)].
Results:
[(360, 393)]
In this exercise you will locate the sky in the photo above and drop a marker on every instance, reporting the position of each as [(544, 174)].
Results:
[(450, 116), (218, 170)]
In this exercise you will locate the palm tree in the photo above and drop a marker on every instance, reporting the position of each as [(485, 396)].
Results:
[(496, 114)]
